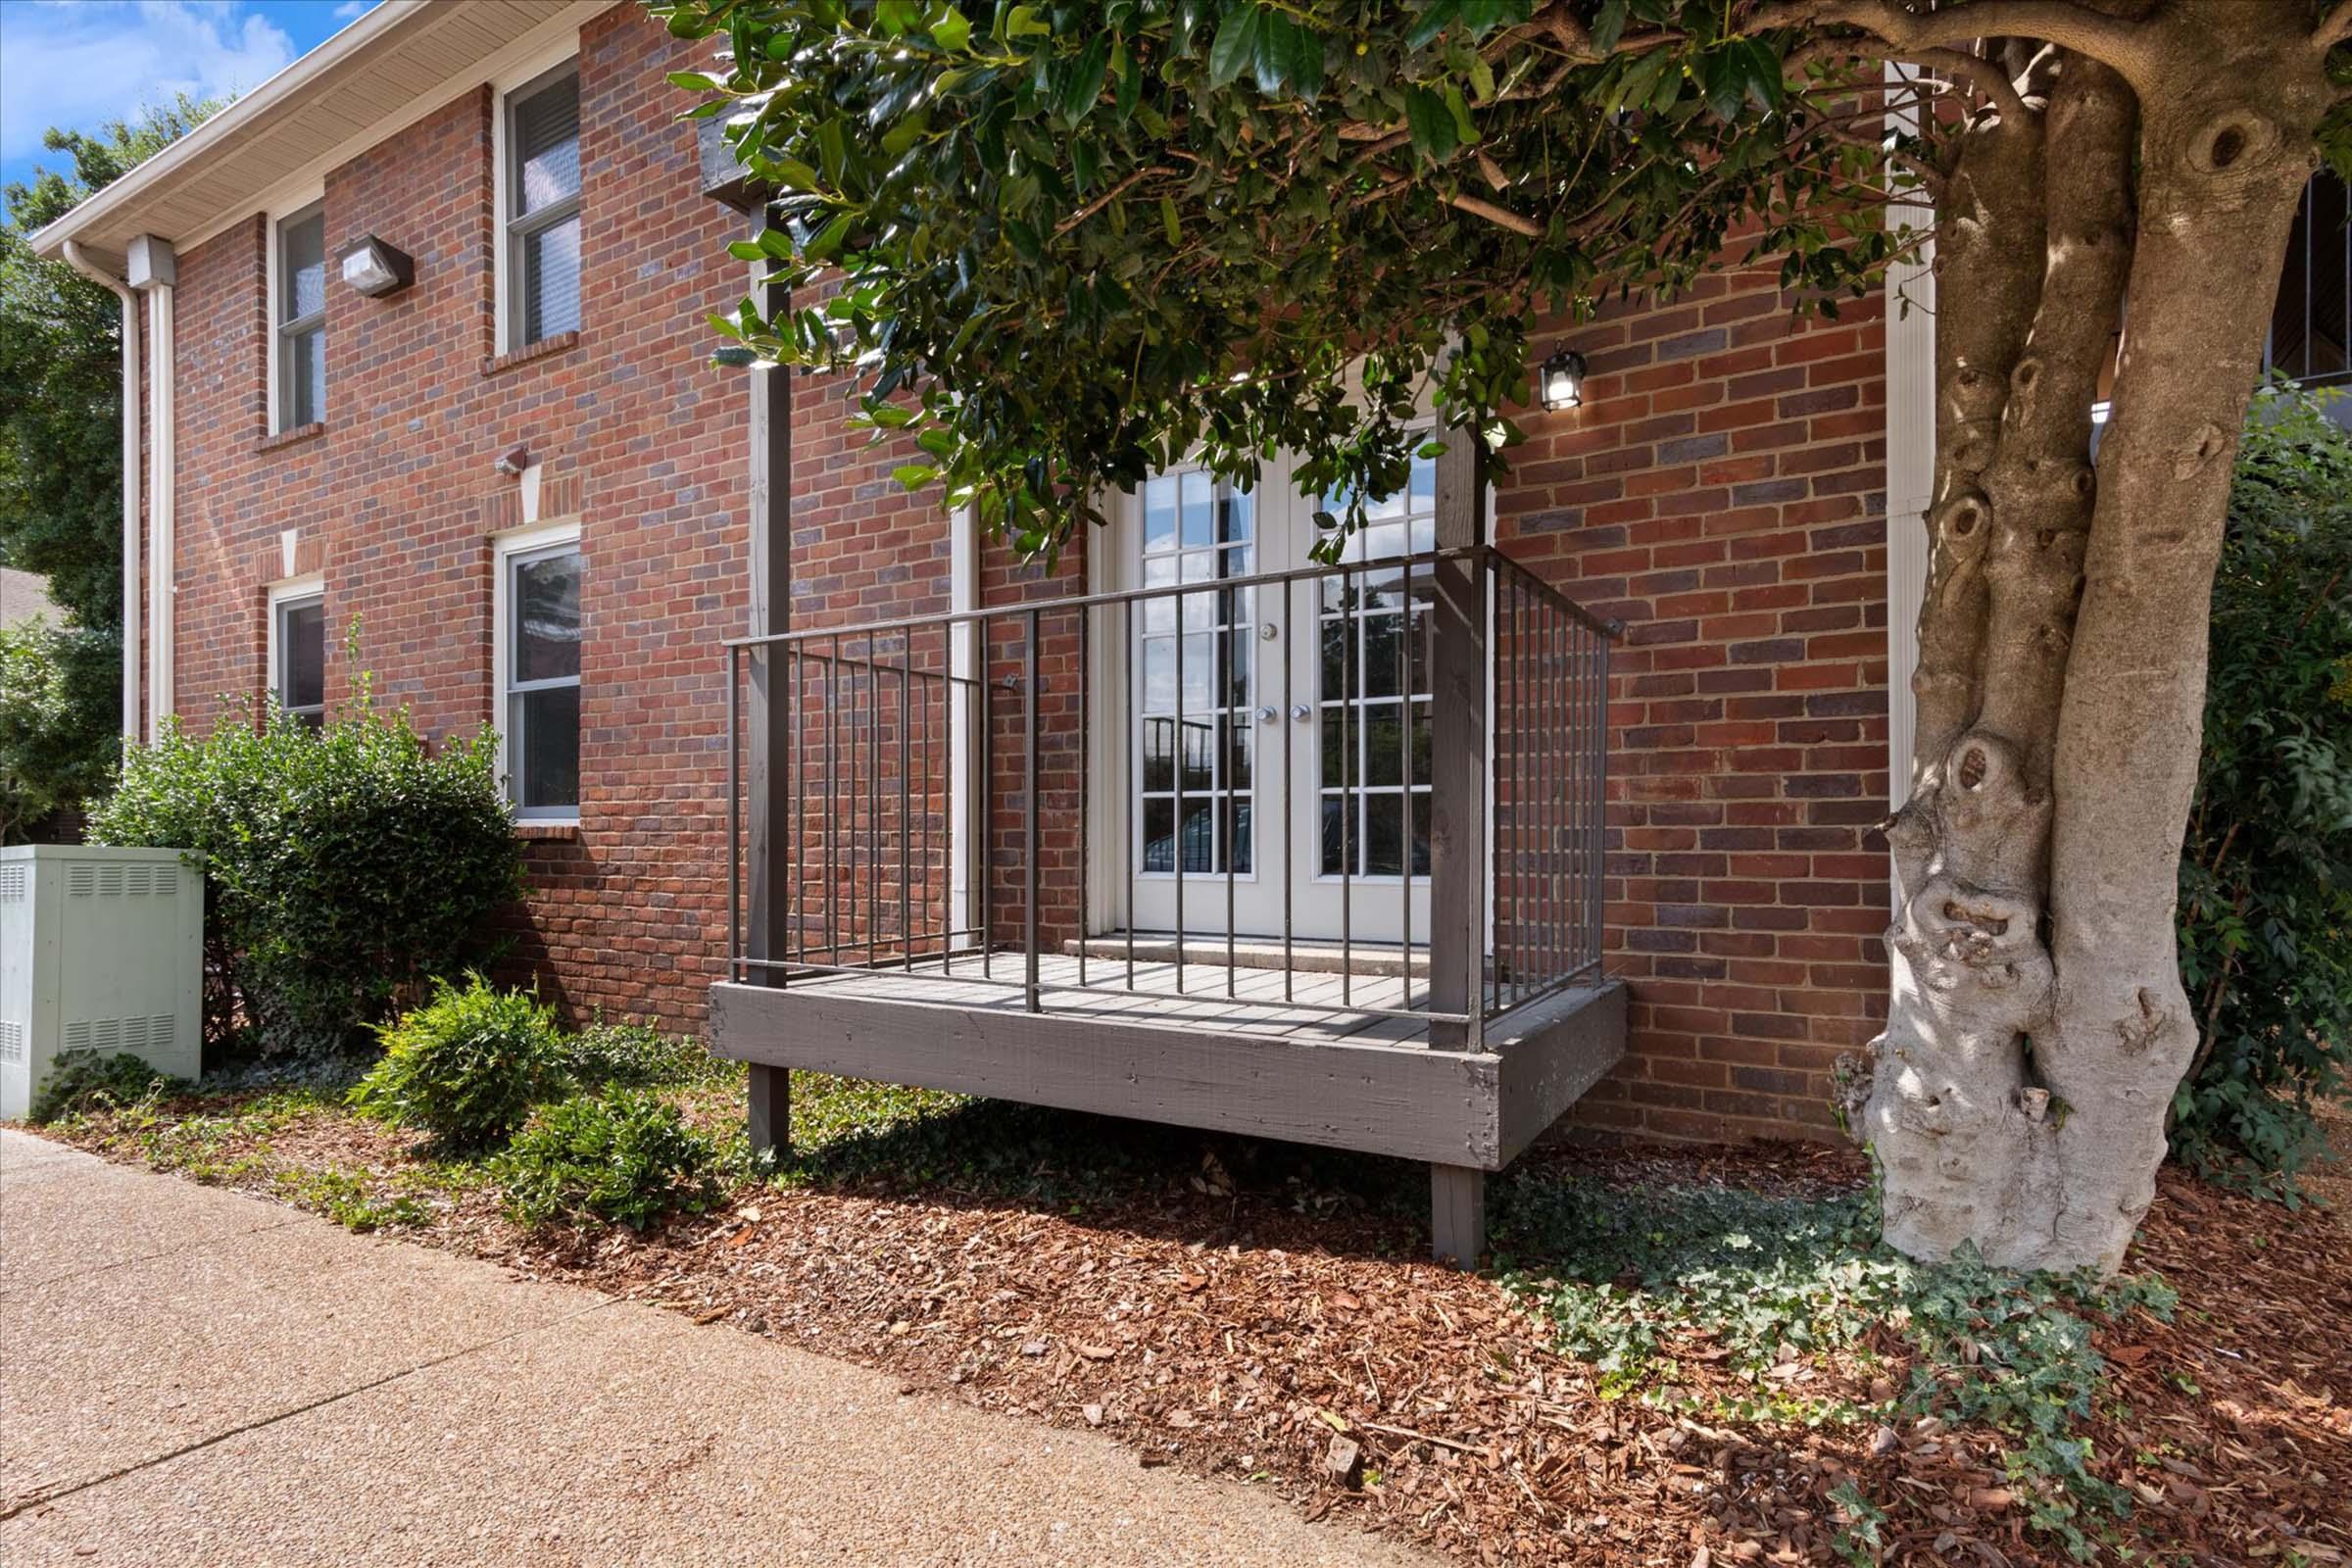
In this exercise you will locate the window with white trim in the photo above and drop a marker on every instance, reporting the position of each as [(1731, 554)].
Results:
[(542, 219), (300, 313), (298, 655), (539, 673)]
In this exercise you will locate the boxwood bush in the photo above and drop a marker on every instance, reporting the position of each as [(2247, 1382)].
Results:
[(621, 1155), (466, 1067), (343, 866)]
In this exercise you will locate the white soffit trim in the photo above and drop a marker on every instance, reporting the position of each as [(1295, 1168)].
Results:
[(1910, 469), (489, 36)]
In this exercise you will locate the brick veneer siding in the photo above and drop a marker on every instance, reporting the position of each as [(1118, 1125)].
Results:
[(1720, 491)]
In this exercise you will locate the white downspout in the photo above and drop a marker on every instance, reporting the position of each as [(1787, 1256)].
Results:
[(160, 492), (80, 261)]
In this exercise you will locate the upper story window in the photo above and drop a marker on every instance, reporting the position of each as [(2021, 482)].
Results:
[(2311, 326), (543, 207), (298, 654), (539, 670), (300, 312)]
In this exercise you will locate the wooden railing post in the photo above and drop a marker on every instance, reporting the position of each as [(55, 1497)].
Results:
[(1458, 862), (768, 850)]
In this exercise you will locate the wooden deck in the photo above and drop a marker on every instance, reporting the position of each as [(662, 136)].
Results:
[(1264, 1059)]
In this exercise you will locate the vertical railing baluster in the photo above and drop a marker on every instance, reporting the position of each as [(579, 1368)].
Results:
[(1596, 890), (1290, 798), (1085, 786), (1220, 742), (1176, 846), (832, 810), (1134, 742), (1350, 732), (873, 798), (1404, 776), (1029, 867), (734, 813), (951, 913), (906, 753), (983, 835)]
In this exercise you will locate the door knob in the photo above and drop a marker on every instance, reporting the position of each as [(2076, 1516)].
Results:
[(1267, 715), (1302, 712)]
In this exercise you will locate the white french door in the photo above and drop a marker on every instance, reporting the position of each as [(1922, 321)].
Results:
[(1272, 752)]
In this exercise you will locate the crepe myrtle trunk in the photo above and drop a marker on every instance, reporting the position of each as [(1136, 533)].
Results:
[(2037, 1027)]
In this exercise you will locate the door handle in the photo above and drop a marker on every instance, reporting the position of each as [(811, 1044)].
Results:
[(1267, 715), (1302, 712)]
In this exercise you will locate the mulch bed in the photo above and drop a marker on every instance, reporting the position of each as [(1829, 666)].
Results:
[(1286, 1339)]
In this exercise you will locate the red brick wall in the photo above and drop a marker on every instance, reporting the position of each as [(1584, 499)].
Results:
[(1721, 491), (396, 498)]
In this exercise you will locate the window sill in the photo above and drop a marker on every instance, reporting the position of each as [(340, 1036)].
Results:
[(545, 347), (548, 832), (287, 438)]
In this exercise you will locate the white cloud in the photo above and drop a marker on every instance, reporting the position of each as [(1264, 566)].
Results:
[(350, 9), (77, 63)]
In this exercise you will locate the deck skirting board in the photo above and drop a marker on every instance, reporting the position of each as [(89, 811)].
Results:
[(1464, 1109)]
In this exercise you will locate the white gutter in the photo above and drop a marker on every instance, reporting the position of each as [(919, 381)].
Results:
[(1910, 462), (80, 263), (231, 122), (965, 832)]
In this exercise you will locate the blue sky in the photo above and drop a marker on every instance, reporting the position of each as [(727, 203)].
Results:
[(79, 63)]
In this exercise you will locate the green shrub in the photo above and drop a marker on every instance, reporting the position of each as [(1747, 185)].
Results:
[(631, 1055), (56, 732), (2265, 868), (625, 1155), (81, 1081), (343, 866), (466, 1067)]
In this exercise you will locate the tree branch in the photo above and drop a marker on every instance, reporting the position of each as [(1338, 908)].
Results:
[(1108, 197), (2111, 40), (1501, 216), (1983, 75), (2334, 27)]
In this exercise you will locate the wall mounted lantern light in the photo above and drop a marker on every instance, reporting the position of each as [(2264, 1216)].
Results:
[(375, 269), (1561, 380)]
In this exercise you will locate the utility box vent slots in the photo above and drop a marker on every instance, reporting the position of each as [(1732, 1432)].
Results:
[(100, 949)]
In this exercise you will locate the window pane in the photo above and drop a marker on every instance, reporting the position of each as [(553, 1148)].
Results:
[(546, 747), (1199, 509), (551, 281), (547, 146), (305, 379), (547, 617), (302, 654), (1159, 835), (303, 269), (1160, 514)]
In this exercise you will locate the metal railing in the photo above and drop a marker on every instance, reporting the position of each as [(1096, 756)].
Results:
[(888, 864)]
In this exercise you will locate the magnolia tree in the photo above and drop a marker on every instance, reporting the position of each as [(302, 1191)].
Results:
[(1063, 244)]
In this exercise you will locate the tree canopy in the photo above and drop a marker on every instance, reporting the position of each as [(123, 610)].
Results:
[(1076, 240), (61, 470)]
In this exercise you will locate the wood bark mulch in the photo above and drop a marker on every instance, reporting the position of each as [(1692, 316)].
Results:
[(1292, 1338)]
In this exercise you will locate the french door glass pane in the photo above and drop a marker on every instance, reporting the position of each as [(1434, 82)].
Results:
[(1373, 699), (1196, 677)]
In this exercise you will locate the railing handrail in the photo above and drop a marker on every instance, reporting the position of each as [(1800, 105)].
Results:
[(1610, 630)]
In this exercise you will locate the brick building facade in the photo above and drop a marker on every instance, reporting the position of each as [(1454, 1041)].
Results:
[(1721, 491)]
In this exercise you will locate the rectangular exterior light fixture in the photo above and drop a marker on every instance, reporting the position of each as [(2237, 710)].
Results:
[(375, 269), (1561, 381)]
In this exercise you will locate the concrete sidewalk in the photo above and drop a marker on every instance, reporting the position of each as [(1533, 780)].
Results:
[(191, 1376)]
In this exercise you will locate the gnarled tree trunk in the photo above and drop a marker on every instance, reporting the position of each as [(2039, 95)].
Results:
[(2037, 1026)]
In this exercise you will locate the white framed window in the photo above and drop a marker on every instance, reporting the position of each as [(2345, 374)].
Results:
[(298, 313), (539, 632), (298, 649), (539, 179)]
